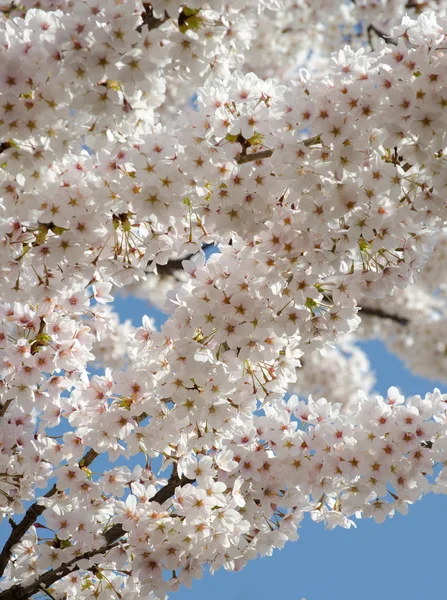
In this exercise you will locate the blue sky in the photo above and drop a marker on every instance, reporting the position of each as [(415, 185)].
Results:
[(399, 560)]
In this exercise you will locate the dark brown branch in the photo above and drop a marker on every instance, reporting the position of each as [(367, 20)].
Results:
[(163, 494), (88, 458), (382, 314), (4, 146), (176, 263), (388, 39), (4, 407), (35, 510), (47, 593), (23, 592), (254, 156), (112, 535), (419, 7), (149, 20), (31, 516), (171, 266)]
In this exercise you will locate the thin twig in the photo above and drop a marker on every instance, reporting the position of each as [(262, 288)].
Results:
[(47, 593)]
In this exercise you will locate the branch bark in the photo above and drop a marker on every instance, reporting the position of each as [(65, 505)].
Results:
[(4, 407), (112, 535), (149, 19), (245, 158), (175, 264), (382, 314), (419, 7), (4, 146), (254, 156), (372, 28)]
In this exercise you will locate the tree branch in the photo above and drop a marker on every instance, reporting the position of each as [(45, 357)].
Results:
[(382, 314), (419, 7), (35, 510), (4, 407), (31, 516), (372, 28), (175, 264), (112, 535), (163, 494), (149, 19), (47, 593), (254, 156), (23, 592), (88, 458), (4, 146)]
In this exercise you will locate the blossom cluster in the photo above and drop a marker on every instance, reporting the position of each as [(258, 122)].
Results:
[(413, 321), (134, 133), (242, 494)]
